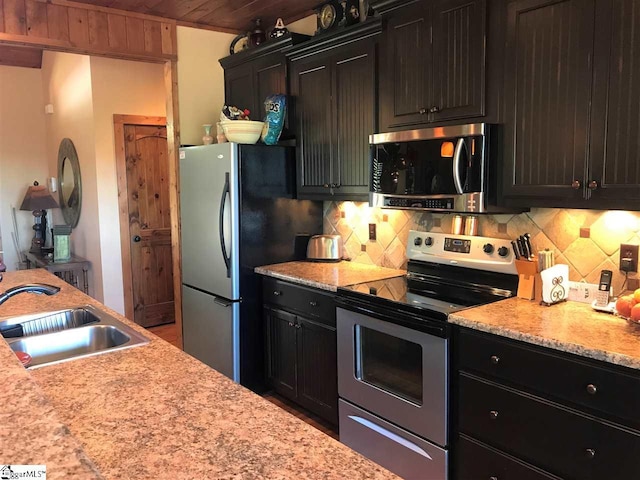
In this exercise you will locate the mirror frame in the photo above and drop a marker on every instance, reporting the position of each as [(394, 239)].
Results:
[(68, 151)]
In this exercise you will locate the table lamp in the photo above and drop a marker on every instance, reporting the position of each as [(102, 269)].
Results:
[(37, 200)]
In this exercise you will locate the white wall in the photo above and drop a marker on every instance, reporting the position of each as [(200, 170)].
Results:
[(127, 88), (67, 86), (23, 152), (200, 80)]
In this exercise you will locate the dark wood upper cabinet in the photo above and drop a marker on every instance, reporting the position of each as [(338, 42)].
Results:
[(614, 171), (333, 87), (433, 62), (250, 76)]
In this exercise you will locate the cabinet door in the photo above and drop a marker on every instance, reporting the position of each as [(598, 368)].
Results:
[(405, 81), (615, 140), (281, 352), (355, 117), (311, 89), (548, 79), (239, 87), (317, 369), (459, 39)]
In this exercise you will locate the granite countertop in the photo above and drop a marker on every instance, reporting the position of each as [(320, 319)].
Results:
[(152, 412), (568, 326), (328, 275)]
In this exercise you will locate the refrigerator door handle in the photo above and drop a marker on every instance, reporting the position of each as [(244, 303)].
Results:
[(223, 203), (221, 302)]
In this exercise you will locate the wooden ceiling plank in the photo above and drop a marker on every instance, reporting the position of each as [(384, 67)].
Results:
[(58, 22), (117, 26), (15, 17), (152, 37), (177, 9), (135, 34), (2, 16), (78, 27), (87, 4), (98, 29), (36, 17)]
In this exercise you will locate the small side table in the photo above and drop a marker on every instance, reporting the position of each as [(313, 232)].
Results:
[(68, 271)]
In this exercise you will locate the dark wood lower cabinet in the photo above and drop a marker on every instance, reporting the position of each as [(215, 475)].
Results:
[(301, 351), (532, 425)]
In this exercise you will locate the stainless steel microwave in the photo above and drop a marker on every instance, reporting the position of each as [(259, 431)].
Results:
[(450, 169)]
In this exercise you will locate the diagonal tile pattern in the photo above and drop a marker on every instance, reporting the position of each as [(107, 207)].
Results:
[(555, 229)]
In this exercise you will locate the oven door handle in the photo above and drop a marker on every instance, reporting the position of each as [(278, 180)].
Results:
[(390, 435), (457, 156)]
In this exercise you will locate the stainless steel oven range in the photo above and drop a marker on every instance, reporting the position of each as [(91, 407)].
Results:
[(393, 349)]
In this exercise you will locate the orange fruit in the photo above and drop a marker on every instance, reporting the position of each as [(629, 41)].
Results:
[(624, 306), (635, 313), (636, 295)]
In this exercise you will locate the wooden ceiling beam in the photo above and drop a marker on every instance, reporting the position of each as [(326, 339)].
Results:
[(20, 56)]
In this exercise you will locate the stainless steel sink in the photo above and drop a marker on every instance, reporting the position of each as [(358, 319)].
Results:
[(69, 334)]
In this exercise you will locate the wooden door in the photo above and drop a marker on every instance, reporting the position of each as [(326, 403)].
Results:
[(459, 39), (311, 87), (281, 352), (354, 100), (149, 227), (615, 138), (405, 77), (317, 368), (548, 79)]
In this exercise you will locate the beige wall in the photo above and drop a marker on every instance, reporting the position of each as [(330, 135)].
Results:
[(118, 87), (23, 152), (306, 25), (200, 80), (67, 86)]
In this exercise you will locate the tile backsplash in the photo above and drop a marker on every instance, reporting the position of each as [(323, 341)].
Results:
[(587, 240)]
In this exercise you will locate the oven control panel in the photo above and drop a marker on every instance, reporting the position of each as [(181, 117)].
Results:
[(457, 245), (483, 253)]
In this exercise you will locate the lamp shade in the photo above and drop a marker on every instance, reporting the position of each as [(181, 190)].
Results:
[(38, 198)]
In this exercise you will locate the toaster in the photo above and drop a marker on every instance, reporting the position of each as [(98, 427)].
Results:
[(325, 248)]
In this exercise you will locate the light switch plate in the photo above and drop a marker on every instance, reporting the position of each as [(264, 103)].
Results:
[(582, 292)]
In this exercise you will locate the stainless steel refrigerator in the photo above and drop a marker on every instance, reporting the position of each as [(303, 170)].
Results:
[(238, 211)]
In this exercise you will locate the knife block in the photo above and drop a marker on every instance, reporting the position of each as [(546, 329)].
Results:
[(529, 281)]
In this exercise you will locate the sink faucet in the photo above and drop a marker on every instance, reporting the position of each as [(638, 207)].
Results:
[(40, 288)]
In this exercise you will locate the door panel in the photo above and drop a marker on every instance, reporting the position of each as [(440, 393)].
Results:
[(210, 331), (149, 224), (239, 88), (548, 84), (405, 79), (204, 172), (355, 118), (317, 364), (459, 58), (312, 88), (281, 352), (616, 118)]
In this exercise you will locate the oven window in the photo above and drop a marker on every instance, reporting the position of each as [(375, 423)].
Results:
[(390, 363)]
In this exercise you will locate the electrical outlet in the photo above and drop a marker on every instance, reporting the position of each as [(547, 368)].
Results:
[(628, 258), (372, 232)]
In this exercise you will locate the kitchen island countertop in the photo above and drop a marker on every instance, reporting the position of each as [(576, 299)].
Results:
[(328, 275), (571, 327), (151, 412)]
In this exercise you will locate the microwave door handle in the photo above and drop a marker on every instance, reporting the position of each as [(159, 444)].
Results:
[(390, 435), (457, 156), (223, 203)]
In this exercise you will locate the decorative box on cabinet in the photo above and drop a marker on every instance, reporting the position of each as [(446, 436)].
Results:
[(300, 332), (432, 66), (570, 135), (251, 75), (522, 408), (333, 85)]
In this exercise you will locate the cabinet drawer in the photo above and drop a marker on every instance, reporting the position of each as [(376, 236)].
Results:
[(477, 461), (307, 301), (602, 389), (563, 442)]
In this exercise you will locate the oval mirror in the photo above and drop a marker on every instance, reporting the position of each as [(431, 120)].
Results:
[(70, 184)]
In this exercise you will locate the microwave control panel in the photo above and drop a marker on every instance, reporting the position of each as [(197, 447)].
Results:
[(457, 245), (428, 203)]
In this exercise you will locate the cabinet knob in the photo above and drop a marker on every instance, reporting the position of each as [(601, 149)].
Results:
[(422, 111), (493, 477), (313, 304), (495, 359), (326, 185), (591, 453), (434, 109), (591, 389), (297, 325), (291, 324), (493, 414), (593, 185), (277, 293), (576, 184)]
